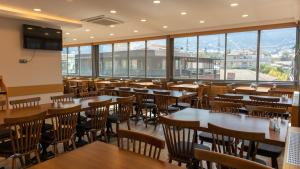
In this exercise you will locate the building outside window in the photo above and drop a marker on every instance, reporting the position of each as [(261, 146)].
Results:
[(120, 60), (137, 59), (105, 60), (85, 61), (64, 61), (73, 61), (156, 58)]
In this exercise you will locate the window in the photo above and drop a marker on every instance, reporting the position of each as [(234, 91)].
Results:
[(277, 55), (85, 61), (73, 61), (120, 59), (185, 57), (211, 57), (156, 58), (241, 56), (137, 59), (64, 61), (105, 60)]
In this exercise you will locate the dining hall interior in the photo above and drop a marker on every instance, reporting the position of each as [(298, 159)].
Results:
[(152, 84)]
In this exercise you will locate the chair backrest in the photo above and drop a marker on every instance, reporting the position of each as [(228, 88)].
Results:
[(2, 104), (180, 137), (124, 108), (280, 92), (265, 99), (233, 142), (142, 97), (63, 98), (245, 91), (98, 112), (230, 97), (220, 161), (109, 90), (124, 91), (64, 121), (25, 132), (265, 111), (24, 103), (140, 143), (161, 99), (226, 107), (215, 90)]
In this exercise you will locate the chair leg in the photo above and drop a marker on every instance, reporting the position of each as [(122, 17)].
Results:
[(73, 143), (105, 137), (37, 154), (13, 163), (128, 124), (274, 162)]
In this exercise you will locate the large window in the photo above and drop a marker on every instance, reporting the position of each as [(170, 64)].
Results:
[(185, 57), (73, 61), (120, 59), (137, 59), (277, 55), (156, 58), (211, 57), (241, 56), (85, 61), (64, 61), (105, 60)]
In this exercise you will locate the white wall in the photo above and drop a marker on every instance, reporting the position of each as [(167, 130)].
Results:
[(45, 67)]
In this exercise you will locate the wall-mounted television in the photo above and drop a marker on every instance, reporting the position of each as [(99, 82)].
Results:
[(36, 37)]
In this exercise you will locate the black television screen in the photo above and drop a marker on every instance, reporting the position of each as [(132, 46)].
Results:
[(36, 37)]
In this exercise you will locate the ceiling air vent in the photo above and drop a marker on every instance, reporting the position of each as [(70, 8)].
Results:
[(102, 20)]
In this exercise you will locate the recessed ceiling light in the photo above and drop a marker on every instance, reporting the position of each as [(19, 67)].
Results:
[(58, 32), (92, 37), (202, 21), (37, 10), (87, 30), (183, 13), (135, 31), (113, 11), (165, 27), (143, 20), (74, 39), (67, 33), (156, 2), (245, 15), (234, 4), (29, 28), (111, 34), (112, 26), (46, 34)]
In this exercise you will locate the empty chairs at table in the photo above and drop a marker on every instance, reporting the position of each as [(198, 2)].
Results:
[(200, 98), (230, 98), (25, 103), (24, 139), (140, 143), (225, 107), (220, 161), (2, 105), (245, 91), (281, 92), (62, 98), (162, 101)]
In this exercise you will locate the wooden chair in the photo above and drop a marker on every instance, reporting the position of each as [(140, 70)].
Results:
[(162, 102), (225, 161), (108, 90), (214, 91), (25, 133), (97, 114), (83, 88), (280, 92), (234, 142), (64, 121), (264, 111), (245, 91), (2, 104), (124, 92), (226, 107), (25, 103), (181, 139), (140, 143), (63, 98), (232, 98), (200, 96)]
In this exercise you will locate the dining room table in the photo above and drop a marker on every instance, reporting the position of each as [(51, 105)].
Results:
[(187, 87), (258, 89), (239, 122)]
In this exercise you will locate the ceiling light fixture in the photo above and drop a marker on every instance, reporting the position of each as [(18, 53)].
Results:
[(143, 20), (234, 4), (74, 39), (87, 30), (245, 15), (113, 11), (37, 10), (165, 27), (111, 34), (67, 33), (202, 21), (112, 26), (183, 13), (92, 37), (135, 31), (156, 2)]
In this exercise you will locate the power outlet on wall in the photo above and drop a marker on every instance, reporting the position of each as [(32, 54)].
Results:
[(23, 61)]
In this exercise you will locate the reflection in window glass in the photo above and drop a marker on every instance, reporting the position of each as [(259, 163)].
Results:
[(105, 60), (156, 58), (185, 54), (137, 59), (120, 59), (241, 56), (73, 61), (64, 61), (211, 57), (277, 55), (85, 60)]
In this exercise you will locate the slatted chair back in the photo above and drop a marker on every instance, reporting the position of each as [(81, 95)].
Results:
[(63, 98), (124, 91), (140, 143), (233, 142), (279, 93), (25, 133), (214, 91), (232, 98), (124, 108), (161, 99), (64, 121), (2, 104), (220, 161), (142, 97), (180, 137), (265, 111), (98, 112), (109, 90), (24, 103), (225, 107), (245, 91)]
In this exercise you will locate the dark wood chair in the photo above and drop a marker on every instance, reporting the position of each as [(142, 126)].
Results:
[(221, 161), (63, 98), (97, 114), (245, 91), (232, 98), (161, 99), (200, 96), (64, 121), (181, 139), (25, 103), (25, 133), (2, 105), (4, 133), (140, 143), (225, 107), (279, 93)]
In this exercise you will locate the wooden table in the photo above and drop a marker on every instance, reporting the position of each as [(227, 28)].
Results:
[(145, 84), (189, 87), (45, 107), (286, 164), (99, 155), (234, 122), (258, 90)]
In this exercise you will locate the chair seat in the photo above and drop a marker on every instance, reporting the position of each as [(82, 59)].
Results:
[(267, 149), (207, 137), (4, 133), (172, 109), (6, 148), (113, 119), (182, 105)]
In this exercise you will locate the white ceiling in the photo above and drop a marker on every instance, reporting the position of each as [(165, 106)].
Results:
[(217, 15)]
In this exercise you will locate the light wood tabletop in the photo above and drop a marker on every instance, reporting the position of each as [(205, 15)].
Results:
[(286, 164), (234, 122), (99, 155), (146, 84), (258, 89), (191, 87)]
